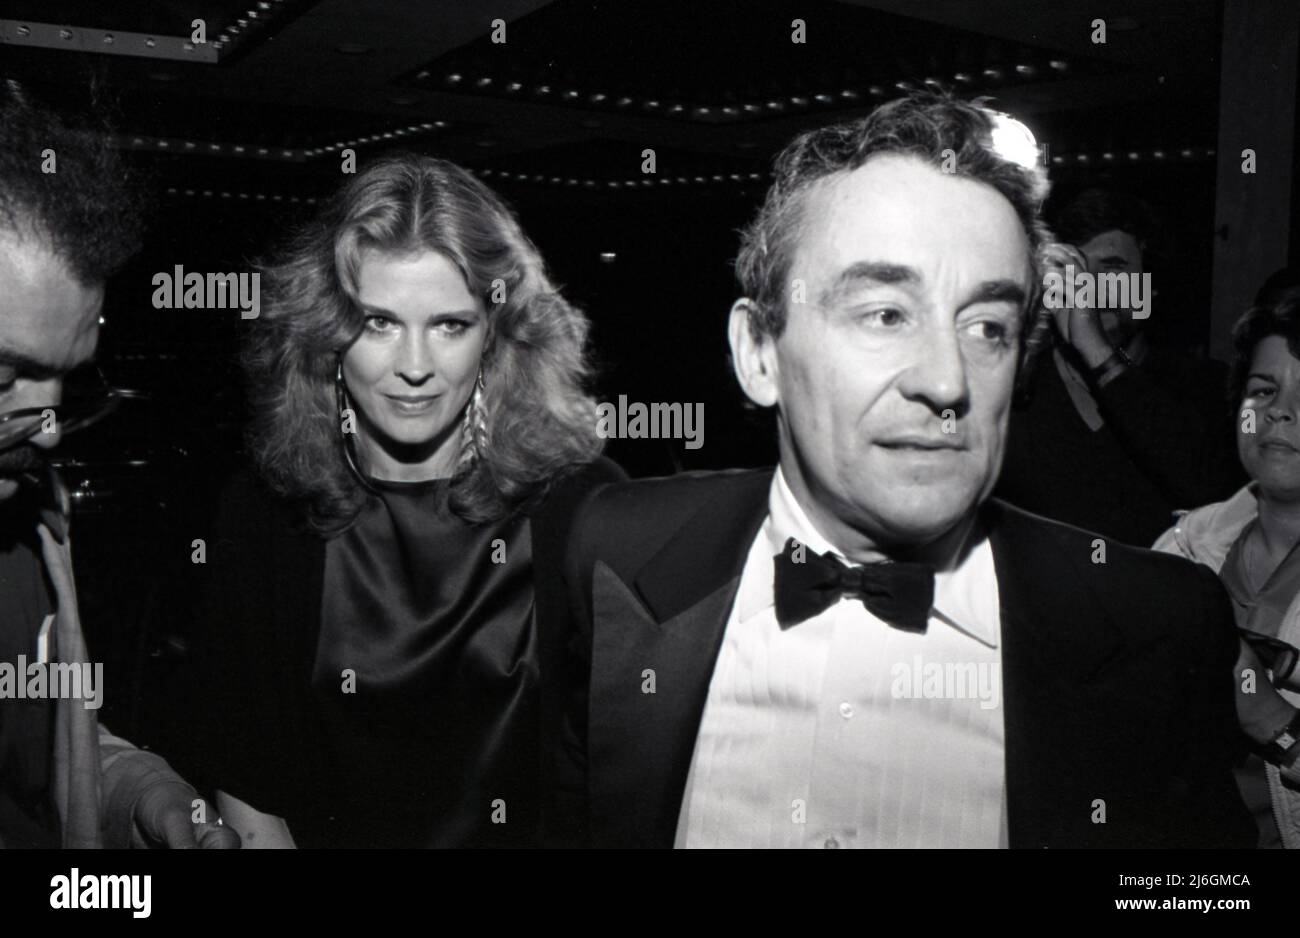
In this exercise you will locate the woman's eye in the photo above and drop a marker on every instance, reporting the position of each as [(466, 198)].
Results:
[(453, 326), (1259, 392), (378, 323)]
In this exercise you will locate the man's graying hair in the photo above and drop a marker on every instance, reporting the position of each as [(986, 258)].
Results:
[(923, 125)]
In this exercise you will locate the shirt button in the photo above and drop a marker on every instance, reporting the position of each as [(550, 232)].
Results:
[(831, 843), (846, 711)]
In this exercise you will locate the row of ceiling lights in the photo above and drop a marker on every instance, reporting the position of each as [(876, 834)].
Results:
[(506, 176), (847, 96), (245, 24), (194, 147), (241, 29), (245, 196), (1132, 156), (1106, 157)]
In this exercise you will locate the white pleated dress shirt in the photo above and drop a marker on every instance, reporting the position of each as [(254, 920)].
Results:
[(844, 731)]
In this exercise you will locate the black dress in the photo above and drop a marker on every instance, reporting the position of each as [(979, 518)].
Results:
[(395, 686), (426, 673)]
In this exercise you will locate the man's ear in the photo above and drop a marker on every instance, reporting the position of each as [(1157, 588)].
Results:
[(754, 358)]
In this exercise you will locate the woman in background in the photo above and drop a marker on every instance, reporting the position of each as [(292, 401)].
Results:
[(1251, 541), (378, 622)]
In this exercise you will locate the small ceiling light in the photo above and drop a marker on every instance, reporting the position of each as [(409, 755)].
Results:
[(608, 257)]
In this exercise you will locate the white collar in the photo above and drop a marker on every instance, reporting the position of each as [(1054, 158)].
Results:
[(965, 597)]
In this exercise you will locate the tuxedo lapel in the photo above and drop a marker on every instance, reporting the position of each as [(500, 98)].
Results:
[(646, 706), (655, 642), (1071, 695)]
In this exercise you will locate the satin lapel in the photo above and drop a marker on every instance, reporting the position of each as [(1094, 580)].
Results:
[(663, 631), (708, 549), (1057, 642), (653, 680)]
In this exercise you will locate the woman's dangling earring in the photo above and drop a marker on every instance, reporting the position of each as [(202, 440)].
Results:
[(347, 427), (474, 441)]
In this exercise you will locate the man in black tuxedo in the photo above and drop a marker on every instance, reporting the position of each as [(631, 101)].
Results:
[(860, 647)]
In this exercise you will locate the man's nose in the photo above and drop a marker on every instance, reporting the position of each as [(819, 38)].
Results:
[(937, 375)]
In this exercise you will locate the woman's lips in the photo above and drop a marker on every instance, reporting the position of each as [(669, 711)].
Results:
[(413, 403)]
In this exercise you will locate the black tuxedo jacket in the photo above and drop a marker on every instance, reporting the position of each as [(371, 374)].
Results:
[(1117, 677)]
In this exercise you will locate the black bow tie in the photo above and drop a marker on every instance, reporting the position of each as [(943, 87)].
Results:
[(808, 583)]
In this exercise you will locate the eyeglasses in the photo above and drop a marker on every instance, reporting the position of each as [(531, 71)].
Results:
[(87, 399)]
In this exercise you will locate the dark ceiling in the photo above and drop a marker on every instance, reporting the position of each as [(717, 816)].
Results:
[(579, 88)]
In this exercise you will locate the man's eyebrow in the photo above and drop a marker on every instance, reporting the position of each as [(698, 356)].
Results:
[(881, 272), (998, 291), (1263, 376), (26, 364)]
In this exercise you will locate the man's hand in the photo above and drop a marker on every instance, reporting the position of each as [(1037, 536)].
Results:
[(164, 818), (1080, 328)]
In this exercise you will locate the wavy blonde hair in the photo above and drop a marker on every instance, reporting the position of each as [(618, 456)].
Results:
[(539, 417)]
